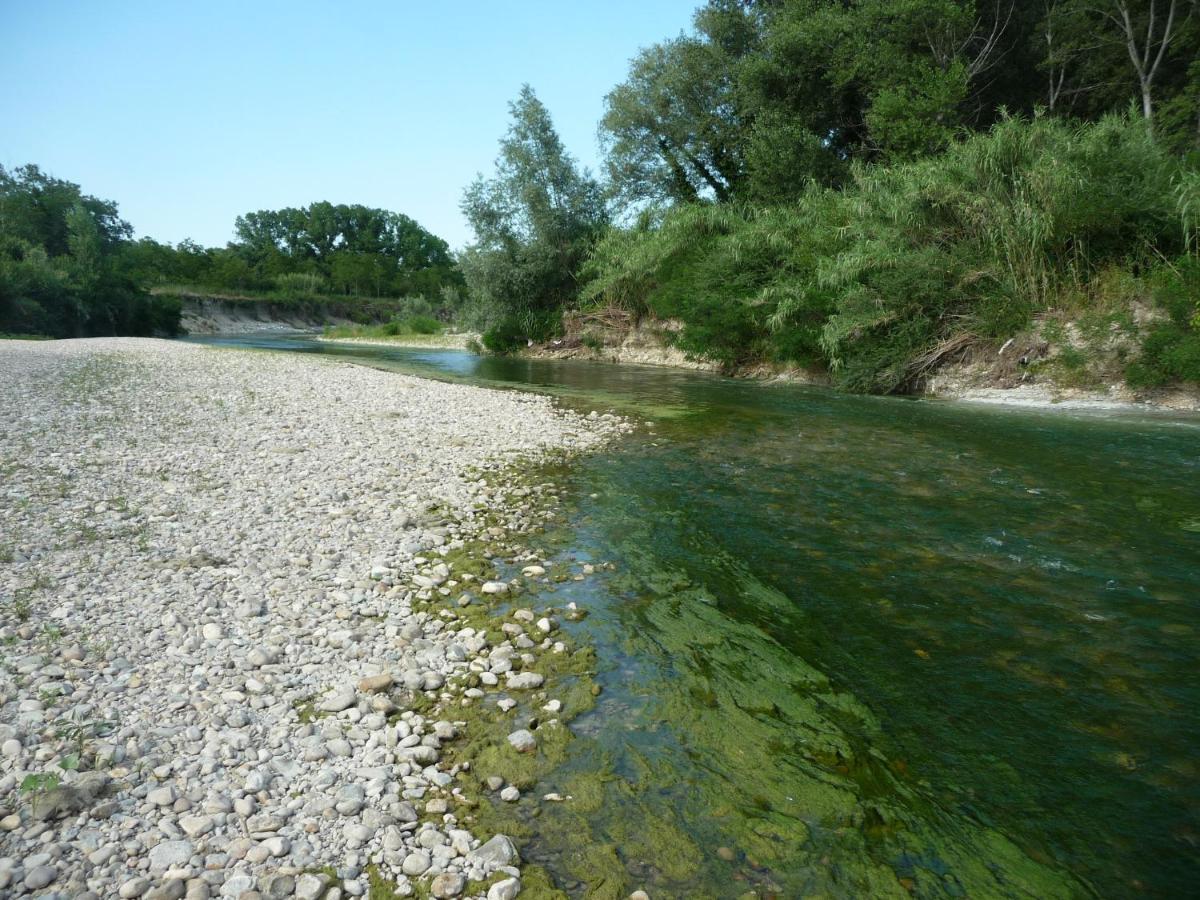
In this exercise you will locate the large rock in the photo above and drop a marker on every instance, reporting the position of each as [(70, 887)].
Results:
[(504, 890), (523, 681), (523, 741), (373, 684), (342, 698), (446, 885), (170, 855), (310, 886), (499, 851)]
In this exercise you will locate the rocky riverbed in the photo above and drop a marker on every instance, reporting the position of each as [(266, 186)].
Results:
[(248, 603)]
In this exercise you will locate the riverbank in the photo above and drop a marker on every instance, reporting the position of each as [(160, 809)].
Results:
[(252, 613), (205, 315), (445, 341), (996, 380)]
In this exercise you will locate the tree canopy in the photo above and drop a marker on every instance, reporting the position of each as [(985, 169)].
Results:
[(535, 220)]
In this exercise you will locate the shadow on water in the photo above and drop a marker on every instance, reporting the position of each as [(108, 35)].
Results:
[(869, 647)]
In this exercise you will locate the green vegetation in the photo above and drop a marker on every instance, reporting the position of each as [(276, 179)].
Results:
[(873, 188), (62, 272), (312, 253), (69, 266), (413, 318), (870, 188), (535, 222), (907, 265), (1171, 351)]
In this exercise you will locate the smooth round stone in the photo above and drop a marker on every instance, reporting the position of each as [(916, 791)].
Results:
[(39, 877), (447, 885), (415, 863), (504, 890)]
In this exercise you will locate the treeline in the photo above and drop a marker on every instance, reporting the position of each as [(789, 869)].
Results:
[(869, 186), (62, 267), (69, 266), (320, 249)]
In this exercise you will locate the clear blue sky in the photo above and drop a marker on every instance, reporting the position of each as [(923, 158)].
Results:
[(190, 113)]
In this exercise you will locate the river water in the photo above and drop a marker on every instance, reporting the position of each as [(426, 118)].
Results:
[(871, 647)]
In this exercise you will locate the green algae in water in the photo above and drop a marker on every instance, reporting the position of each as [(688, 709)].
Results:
[(998, 606)]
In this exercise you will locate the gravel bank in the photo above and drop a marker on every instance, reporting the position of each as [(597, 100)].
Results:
[(228, 592)]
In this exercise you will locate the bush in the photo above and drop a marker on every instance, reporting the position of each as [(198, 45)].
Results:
[(1171, 351), (424, 325), (504, 337), (885, 278)]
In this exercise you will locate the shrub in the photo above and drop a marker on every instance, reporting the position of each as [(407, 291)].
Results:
[(424, 325), (906, 265), (1171, 351), (503, 337)]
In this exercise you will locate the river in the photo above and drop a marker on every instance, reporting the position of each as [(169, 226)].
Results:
[(857, 646)]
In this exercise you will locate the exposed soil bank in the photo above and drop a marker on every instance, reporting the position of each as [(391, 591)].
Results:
[(1025, 373), (213, 315)]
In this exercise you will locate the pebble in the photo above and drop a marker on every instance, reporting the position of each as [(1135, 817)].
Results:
[(39, 877), (258, 649), (507, 889), (523, 741)]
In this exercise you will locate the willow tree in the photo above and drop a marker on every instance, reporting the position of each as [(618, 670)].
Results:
[(535, 220)]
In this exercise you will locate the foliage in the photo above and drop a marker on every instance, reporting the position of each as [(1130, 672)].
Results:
[(1171, 351), (905, 264), (318, 250), (412, 324), (763, 97), (69, 266), (534, 222), (62, 269)]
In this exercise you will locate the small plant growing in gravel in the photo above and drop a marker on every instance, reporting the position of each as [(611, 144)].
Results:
[(78, 731), (22, 605), (37, 784)]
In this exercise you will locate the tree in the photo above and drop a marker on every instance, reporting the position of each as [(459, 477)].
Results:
[(360, 249), (534, 221), (64, 263), (1146, 53), (671, 131), (1096, 51)]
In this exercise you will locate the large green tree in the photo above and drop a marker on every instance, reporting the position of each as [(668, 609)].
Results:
[(62, 264), (357, 249), (535, 220)]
